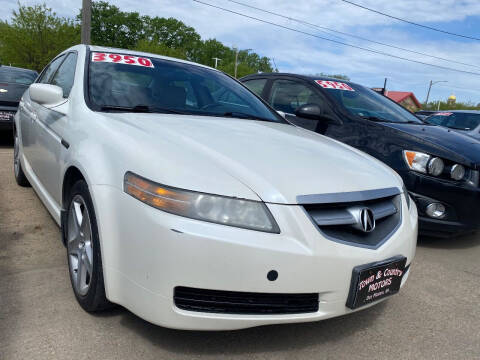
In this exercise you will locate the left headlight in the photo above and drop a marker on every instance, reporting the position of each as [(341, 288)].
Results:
[(218, 209)]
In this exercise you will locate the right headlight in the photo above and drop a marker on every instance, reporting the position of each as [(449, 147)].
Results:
[(218, 209)]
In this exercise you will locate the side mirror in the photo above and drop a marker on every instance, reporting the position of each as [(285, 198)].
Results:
[(46, 94), (309, 111), (314, 112)]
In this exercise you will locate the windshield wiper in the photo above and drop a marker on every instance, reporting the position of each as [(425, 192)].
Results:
[(140, 109), (242, 115)]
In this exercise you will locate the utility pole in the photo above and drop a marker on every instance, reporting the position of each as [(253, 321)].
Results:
[(86, 21), (430, 88), (236, 59), (384, 91), (216, 61)]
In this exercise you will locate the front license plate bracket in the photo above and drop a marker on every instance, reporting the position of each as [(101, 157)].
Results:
[(375, 281)]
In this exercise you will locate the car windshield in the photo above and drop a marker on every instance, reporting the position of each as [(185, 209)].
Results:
[(368, 104), (454, 120), (119, 82), (16, 76)]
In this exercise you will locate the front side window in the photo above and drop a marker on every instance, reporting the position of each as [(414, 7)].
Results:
[(368, 104), (65, 75), (50, 70), (125, 82), (256, 85), (288, 96), (459, 121)]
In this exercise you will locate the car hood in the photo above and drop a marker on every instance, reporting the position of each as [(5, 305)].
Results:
[(276, 162), (455, 146)]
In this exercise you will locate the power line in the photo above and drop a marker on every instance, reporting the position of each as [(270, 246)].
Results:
[(411, 22), (335, 41), (347, 34)]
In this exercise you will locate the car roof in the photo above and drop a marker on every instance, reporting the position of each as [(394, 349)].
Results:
[(126, 51), (13, 68), (299, 76)]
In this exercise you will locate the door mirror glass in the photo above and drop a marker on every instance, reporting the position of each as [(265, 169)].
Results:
[(46, 94)]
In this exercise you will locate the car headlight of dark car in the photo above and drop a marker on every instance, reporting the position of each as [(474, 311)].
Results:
[(434, 166)]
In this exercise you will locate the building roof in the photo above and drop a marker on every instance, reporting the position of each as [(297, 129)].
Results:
[(399, 96)]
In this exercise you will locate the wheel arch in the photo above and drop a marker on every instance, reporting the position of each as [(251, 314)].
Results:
[(72, 175)]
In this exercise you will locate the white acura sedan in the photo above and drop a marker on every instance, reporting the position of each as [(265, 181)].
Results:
[(183, 197)]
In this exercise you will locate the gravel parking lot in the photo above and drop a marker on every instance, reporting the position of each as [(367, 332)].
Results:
[(436, 316)]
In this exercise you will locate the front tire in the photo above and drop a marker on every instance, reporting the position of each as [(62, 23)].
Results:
[(20, 177), (83, 250)]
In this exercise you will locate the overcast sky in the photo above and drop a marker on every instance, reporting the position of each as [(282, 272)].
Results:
[(294, 52)]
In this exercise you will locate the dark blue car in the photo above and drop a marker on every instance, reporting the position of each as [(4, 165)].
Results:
[(439, 167), (13, 83)]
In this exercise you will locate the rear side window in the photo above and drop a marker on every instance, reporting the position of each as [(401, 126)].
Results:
[(50, 70), (65, 74), (256, 85)]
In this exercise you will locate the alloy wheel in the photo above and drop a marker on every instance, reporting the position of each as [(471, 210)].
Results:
[(16, 155), (80, 245)]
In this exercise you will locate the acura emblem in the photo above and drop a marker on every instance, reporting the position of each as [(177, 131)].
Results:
[(367, 220), (3, 90)]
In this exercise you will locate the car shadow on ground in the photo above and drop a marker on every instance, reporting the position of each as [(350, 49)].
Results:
[(252, 340), (458, 242)]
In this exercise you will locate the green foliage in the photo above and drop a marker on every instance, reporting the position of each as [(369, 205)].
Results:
[(160, 49), (34, 36), (448, 106)]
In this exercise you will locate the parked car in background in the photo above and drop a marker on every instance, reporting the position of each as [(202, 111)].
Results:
[(422, 114), (187, 200), (439, 167), (13, 83), (464, 121)]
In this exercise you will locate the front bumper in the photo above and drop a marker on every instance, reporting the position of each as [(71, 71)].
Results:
[(146, 253), (461, 202)]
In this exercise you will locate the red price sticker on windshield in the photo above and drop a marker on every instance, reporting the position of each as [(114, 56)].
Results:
[(326, 84), (443, 114), (121, 59)]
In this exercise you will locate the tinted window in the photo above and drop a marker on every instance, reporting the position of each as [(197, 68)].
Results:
[(171, 86), (65, 74), (16, 76), (50, 70), (256, 85), (460, 121), (370, 105), (288, 96)]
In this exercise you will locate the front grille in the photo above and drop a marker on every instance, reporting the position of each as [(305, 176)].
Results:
[(335, 220), (235, 302)]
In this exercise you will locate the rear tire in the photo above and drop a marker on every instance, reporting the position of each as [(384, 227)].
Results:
[(83, 250), (20, 177)]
